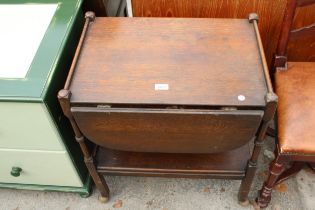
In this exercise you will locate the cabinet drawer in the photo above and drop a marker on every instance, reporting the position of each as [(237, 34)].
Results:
[(28, 126), (38, 167)]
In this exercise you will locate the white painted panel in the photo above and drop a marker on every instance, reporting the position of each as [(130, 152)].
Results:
[(28, 126), (22, 29), (38, 167)]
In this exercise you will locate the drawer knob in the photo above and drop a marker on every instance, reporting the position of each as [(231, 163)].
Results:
[(16, 171)]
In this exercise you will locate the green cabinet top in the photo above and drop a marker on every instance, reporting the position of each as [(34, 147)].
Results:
[(33, 37)]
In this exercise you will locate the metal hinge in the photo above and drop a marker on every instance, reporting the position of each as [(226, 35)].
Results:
[(104, 106), (229, 108)]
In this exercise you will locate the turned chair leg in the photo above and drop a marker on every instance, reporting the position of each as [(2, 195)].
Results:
[(276, 169), (288, 173)]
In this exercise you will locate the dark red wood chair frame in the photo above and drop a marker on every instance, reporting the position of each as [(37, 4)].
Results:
[(279, 170)]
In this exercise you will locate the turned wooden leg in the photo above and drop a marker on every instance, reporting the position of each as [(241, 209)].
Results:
[(97, 178), (276, 169), (270, 109), (64, 100), (288, 173), (246, 183)]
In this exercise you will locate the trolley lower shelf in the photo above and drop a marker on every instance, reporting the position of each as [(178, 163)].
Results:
[(230, 164)]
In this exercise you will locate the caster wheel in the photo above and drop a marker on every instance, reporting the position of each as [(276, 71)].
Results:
[(103, 199)]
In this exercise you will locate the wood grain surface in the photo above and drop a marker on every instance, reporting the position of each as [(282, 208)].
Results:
[(171, 131), (270, 12), (230, 164), (303, 49), (203, 61)]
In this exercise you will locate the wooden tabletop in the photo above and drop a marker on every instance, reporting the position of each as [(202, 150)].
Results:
[(170, 61)]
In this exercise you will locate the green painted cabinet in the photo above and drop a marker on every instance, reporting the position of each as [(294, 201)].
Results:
[(37, 149)]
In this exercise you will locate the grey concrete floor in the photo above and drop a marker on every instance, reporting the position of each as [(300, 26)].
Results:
[(138, 193)]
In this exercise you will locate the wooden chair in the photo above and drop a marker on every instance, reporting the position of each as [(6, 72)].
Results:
[(295, 86)]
